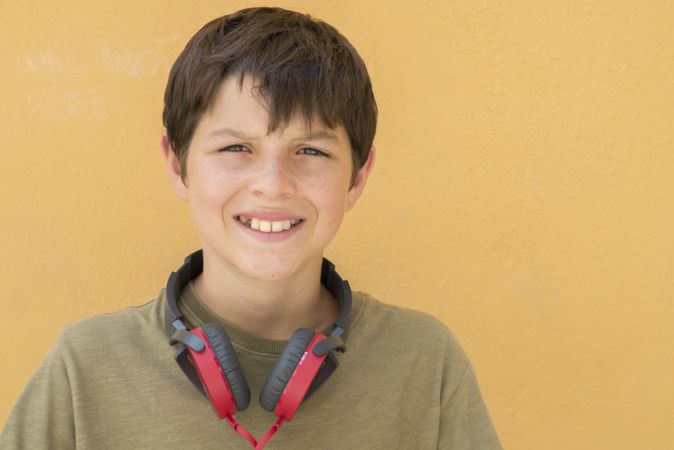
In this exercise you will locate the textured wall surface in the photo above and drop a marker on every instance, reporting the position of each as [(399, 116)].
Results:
[(524, 191)]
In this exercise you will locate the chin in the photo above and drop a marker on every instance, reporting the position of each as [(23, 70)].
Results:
[(270, 268)]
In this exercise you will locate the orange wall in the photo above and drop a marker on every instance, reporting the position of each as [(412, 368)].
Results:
[(524, 191)]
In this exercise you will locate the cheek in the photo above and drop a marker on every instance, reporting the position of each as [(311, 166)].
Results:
[(328, 195), (209, 194)]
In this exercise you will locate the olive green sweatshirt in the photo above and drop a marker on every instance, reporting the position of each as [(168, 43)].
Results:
[(111, 382)]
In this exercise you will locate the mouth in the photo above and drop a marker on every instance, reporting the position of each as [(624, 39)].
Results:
[(268, 226)]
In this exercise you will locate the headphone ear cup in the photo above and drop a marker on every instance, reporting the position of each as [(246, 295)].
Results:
[(285, 366), (229, 363)]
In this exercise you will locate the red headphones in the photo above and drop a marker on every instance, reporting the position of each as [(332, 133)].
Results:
[(208, 359)]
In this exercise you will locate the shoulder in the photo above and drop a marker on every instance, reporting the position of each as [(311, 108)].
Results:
[(375, 316), (374, 308), (399, 356), (138, 327), (409, 333)]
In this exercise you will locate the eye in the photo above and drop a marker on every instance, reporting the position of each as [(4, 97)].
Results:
[(313, 152), (236, 148)]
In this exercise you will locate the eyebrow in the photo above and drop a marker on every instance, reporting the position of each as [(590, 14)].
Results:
[(315, 135), (231, 132)]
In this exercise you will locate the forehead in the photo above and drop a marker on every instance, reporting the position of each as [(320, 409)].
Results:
[(238, 105)]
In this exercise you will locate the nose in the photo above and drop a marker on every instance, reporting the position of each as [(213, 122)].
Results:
[(272, 177)]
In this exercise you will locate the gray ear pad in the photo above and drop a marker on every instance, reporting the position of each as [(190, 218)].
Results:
[(226, 356), (284, 368)]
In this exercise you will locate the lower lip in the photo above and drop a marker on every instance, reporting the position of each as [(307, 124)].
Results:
[(269, 237)]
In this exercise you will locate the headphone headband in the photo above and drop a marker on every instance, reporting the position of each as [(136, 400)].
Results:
[(193, 266)]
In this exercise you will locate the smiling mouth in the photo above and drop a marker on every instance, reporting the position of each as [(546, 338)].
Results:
[(268, 226)]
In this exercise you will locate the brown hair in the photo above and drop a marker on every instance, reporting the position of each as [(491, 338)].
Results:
[(302, 64)]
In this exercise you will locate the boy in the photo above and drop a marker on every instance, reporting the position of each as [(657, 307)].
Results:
[(270, 119)]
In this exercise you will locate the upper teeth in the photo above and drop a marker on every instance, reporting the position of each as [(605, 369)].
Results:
[(268, 226)]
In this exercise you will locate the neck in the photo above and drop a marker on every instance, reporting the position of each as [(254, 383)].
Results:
[(268, 309)]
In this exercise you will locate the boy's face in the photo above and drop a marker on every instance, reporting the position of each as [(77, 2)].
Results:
[(265, 206)]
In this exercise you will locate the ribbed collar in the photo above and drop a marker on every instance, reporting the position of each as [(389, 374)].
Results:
[(197, 313)]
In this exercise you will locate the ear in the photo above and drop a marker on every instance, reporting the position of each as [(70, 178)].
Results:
[(173, 166), (361, 179)]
